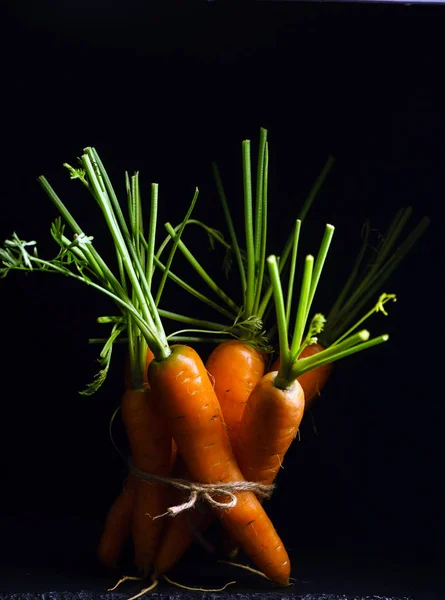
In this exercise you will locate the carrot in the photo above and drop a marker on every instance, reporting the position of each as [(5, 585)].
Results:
[(117, 527), (270, 423), (150, 444), (236, 368), (180, 532), (193, 415), (127, 376)]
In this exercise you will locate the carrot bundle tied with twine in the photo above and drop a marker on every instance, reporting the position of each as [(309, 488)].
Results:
[(205, 491)]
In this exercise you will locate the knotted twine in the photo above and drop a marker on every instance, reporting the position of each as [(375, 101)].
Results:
[(205, 491)]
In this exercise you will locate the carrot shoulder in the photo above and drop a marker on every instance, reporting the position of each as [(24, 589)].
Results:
[(194, 418), (312, 382)]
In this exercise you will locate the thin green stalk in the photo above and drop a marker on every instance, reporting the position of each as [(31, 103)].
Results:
[(316, 187), (319, 263), (262, 233), (216, 235), (383, 299), (248, 223), (390, 238), (100, 266), (126, 250), (174, 247), (259, 202), (69, 219), (203, 331), (231, 228), (369, 287), (104, 193), (97, 264), (304, 365), (202, 324), (49, 267), (282, 261), (302, 215), (125, 245), (201, 271), (290, 287), (188, 288), (186, 339), (280, 310), (108, 187), (171, 338), (352, 276), (139, 233), (151, 239), (301, 317)]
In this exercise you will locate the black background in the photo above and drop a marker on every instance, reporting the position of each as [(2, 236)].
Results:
[(166, 91)]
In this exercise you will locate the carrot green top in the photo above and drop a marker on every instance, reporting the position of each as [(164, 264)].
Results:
[(130, 287), (291, 367)]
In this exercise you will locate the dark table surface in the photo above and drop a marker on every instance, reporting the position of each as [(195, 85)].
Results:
[(54, 560)]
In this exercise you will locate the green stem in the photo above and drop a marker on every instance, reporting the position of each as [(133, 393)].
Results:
[(369, 286), (248, 223), (302, 310), (202, 324), (352, 276), (95, 261), (200, 270), (259, 202), (126, 250), (280, 312), (304, 365), (231, 228), (151, 239), (211, 232), (319, 263), (262, 232), (282, 261), (49, 267), (174, 247), (384, 298), (316, 187), (293, 264), (188, 288)]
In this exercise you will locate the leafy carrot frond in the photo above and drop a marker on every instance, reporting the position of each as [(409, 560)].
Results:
[(363, 283), (104, 360), (78, 173), (291, 366), (15, 254), (315, 328), (379, 307)]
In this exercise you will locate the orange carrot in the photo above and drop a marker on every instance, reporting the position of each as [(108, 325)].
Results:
[(236, 368), (193, 415), (314, 381), (117, 526), (127, 376), (150, 444), (180, 532), (270, 423)]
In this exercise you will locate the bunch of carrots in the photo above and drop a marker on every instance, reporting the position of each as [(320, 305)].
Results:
[(230, 420)]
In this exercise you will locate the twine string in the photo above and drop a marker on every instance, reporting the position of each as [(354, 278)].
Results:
[(205, 491)]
